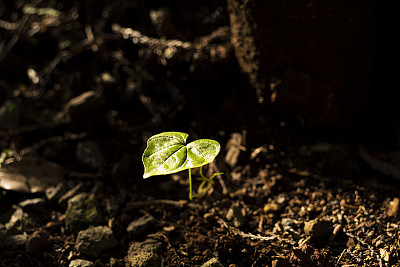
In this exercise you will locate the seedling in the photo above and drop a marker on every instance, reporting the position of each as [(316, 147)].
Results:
[(168, 153)]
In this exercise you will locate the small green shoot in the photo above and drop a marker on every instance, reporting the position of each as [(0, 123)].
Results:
[(168, 153)]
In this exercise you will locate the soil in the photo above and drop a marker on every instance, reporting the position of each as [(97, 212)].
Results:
[(288, 196)]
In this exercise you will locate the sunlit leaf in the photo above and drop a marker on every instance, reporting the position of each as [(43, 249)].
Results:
[(168, 153)]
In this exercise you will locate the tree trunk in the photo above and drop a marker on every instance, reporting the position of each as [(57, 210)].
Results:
[(312, 60)]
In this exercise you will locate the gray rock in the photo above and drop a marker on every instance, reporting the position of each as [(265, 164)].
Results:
[(212, 263), (18, 221), (141, 225), (317, 229), (82, 211), (94, 240), (88, 154), (81, 263), (145, 259), (236, 214), (15, 241), (33, 205), (9, 115), (55, 192), (146, 253), (63, 201), (86, 104)]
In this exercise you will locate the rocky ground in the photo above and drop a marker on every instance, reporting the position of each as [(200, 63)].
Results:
[(83, 87)]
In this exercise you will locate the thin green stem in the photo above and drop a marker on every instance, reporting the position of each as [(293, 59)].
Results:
[(190, 184), (201, 173)]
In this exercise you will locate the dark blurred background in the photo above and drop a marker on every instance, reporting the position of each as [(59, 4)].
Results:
[(316, 68)]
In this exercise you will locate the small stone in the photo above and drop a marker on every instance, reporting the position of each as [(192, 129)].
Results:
[(32, 205), (15, 241), (9, 115), (55, 192), (212, 263), (94, 240), (317, 229), (18, 221), (81, 263), (351, 243), (89, 154), (394, 207), (83, 211), (63, 201), (271, 208), (146, 253), (385, 255), (140, 225), (115, 262), (236, 214), (145, 259)]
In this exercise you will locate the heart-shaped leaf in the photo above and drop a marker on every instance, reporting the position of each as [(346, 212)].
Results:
[(168, 153)]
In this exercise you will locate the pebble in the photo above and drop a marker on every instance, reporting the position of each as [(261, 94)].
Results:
[(15, 241), (236, 214), (212, 263), (63, 201), (271, 208), (145, 253), (82, 211), (18, 221), (317, 229), (141, 225), (81, 263), (54, 193), (94, 240), (89, 155)]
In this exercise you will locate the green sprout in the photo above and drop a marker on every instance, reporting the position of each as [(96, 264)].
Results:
[(168, 153)]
